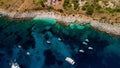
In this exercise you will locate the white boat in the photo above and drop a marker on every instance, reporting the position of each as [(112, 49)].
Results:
[(84, 43), (87, 40), (82, 51), (15, 65), (28, 53), (69, 60), (48, 42), (90, 48), (19, 46), (59, 39)]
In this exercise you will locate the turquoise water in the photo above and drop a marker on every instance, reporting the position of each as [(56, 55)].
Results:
[(18, 38)]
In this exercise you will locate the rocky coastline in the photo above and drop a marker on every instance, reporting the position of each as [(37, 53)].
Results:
[(113, 29)]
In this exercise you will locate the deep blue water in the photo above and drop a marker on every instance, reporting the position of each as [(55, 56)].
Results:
[(17, 38)]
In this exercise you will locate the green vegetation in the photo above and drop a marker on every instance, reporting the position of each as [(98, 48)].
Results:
[(76, 4), (41, 3), (4, 3), (88, 8), (105, 2), (96, 6), (59, 10), (96, 0), (67, 7), (104, 17), (66, 4), (110, 10), (50, 8), (85, 6)]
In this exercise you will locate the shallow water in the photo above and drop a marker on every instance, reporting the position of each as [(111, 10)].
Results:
[(26, 43)]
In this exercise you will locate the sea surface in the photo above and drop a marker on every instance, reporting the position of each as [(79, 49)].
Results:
[(44, 43)]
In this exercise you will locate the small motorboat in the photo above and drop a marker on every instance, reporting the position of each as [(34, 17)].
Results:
[(69, 60), (82, 51), (15, 65), (87, 40), (19, 46), (59, 39), (84, 43), (28, 53), (90, 48), (48, 42)]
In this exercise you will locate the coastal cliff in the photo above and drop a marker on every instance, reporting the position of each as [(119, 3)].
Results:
[(103, 15), (105, 27)]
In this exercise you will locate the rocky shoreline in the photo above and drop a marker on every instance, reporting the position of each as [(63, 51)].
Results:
[(113, 29)]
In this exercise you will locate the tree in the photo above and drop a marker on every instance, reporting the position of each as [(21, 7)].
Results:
[(60, 10), (66, 4), (89, 10), (76, 4)]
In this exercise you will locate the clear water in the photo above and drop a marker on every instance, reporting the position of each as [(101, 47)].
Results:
[(25, 42)]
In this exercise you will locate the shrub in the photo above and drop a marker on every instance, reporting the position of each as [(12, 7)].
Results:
[(117, 10), (110, 10), (66, 4), (96, 0), (49, 8), (59, 10), (89, 10), (41, 3), (84, 7), (97, 6), (76, 4)]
